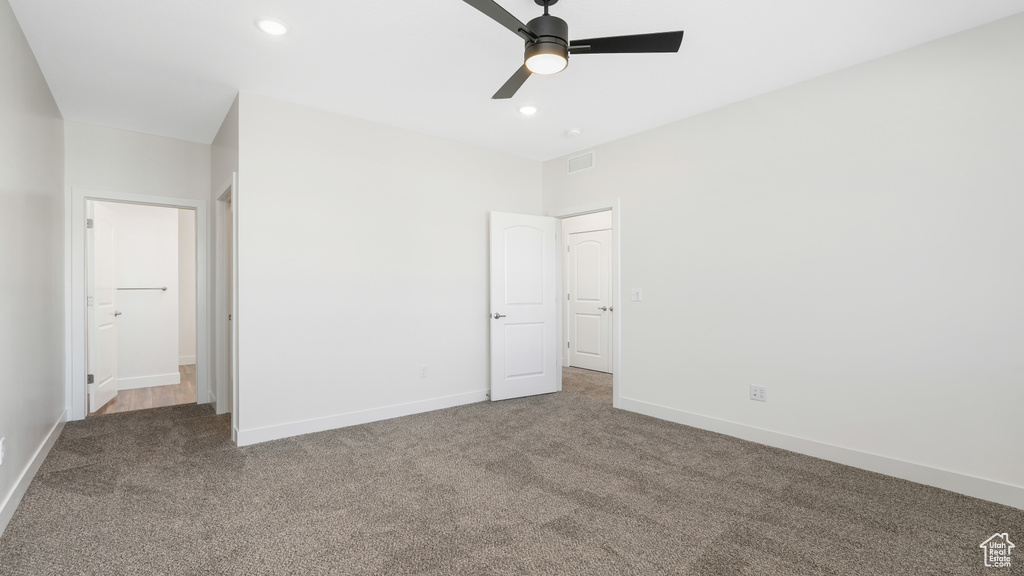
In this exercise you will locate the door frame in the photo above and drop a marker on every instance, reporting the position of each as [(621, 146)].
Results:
[(226, 333), (615, 206), (76, 324)]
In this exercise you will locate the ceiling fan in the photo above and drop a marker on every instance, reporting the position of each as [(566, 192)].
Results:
[(548, 46)]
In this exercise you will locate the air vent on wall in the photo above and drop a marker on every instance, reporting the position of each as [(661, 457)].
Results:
[(584, 162)]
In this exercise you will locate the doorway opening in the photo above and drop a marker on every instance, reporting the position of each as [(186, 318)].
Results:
[(141, 306), (77, 386), (588, 273), (530, 339)]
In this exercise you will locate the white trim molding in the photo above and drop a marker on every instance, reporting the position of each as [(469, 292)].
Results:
[(11, 500), (223, 280), (265, 434), (982, 488), (148, 381)]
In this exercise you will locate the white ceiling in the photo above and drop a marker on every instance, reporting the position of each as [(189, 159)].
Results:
[(172, 68)]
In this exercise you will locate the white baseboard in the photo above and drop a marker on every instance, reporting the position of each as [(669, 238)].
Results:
[(186, 360), (990, 490), (10, 502), (265, 434), (148, 381)]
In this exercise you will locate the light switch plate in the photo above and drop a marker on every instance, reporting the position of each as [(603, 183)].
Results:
[(636, 294)]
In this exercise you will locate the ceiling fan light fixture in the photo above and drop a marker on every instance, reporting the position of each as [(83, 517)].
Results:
[(546, 58), (548, 44)]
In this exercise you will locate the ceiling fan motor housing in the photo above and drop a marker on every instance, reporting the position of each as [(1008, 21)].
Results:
[(552, 36)]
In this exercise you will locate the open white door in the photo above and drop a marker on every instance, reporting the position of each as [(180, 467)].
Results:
[(524, 316), (103, 310), (590, 300)]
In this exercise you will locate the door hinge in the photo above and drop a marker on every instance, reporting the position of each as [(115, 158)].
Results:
[(88, 222), (568, 248), (89, 379), (89, 301), (568, 296), (568, 344)]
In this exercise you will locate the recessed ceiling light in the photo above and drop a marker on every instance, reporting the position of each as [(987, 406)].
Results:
[(573, 132), (272, 26), (528, 110)]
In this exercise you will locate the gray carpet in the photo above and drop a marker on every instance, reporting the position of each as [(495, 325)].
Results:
[(556, 484)]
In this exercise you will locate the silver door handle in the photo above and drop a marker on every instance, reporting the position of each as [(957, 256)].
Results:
[(610, 309), (496, 315), (604, 308), (116, 313)]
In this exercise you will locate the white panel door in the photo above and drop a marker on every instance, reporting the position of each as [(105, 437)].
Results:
[(103, 312), (523, 320), (590, 300)]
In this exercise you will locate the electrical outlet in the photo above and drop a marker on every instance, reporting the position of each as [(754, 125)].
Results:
[(759, 393), (2, 451), (423, 371)]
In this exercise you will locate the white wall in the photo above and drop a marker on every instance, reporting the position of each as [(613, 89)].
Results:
[(186, 287), (854, 243), (31, 261), (224, 152), (122, 161), (362, 256), (147, 331)]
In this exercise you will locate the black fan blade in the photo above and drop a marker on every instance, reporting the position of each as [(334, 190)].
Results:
[(658, 42), (501, 16), (514, 83)]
